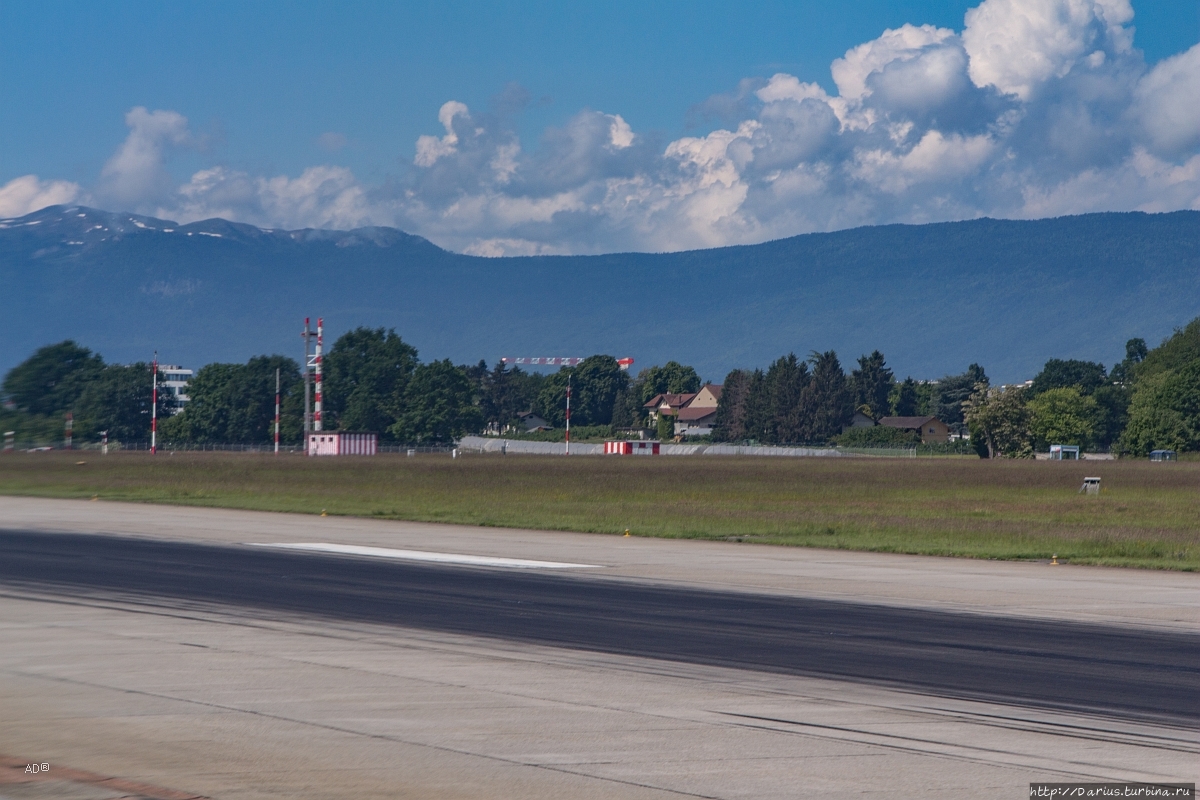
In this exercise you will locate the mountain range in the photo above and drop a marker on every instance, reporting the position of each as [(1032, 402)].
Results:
[(934, 298)]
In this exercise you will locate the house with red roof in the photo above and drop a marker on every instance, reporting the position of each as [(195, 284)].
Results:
[(694, 413)]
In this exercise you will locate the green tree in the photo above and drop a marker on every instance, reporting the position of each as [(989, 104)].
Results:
[(904, 400), (828, 402), (438, 405), (627, 408), (1000, 419), (785, 382), (1135, 353), (366, 373), (1176, 351), (118, 399), (1088, 376), (758, 421), (665, 427), (596, 383), (1112, 413), (235, 403), (505, 392), (730, 424), (52, 379), (671, 377), (949, 394), (1165, 411), (206, 418), (872, 384), (1063, 415)]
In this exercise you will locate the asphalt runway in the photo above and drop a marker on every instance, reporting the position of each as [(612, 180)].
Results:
[(1119, 672)]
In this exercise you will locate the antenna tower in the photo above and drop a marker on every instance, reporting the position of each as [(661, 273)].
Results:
[(317, 362), (307, 336)]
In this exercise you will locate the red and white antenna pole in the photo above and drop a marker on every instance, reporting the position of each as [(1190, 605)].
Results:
[(319, 373), (154, 406), (569, 414), (276, 411)]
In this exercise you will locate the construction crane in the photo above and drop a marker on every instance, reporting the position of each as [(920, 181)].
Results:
[(624, 363)]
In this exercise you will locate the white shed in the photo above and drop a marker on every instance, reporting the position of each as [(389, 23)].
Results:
[(338, 443)]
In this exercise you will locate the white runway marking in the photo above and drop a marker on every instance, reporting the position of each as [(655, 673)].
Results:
[(423, 555)]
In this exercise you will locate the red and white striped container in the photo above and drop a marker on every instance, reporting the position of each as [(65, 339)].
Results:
[(631, 448), (324, 443)]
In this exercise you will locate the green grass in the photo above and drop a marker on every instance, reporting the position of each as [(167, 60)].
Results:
[(1148, 515)]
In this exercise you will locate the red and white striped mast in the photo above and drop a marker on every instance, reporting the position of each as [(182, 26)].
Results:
[(277, 411), (569, 413), (319, 372), (154, 406)]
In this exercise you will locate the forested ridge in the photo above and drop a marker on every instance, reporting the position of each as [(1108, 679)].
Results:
[(1008, 294)]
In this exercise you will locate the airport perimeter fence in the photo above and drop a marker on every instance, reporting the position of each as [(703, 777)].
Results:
[(488, 444), (209, 447)]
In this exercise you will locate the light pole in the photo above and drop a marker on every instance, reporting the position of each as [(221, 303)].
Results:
[(277, 411), (154, 407)]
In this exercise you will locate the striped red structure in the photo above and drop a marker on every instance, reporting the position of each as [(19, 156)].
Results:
[(324, 443), (632, 448), (319, 406), (624, 363)]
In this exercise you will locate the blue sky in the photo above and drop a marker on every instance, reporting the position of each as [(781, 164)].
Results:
[(586, 128)]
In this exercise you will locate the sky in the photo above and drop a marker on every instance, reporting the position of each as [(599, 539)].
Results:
[(535, 127)]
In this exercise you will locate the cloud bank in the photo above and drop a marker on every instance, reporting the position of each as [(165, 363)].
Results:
[(1035, 108)]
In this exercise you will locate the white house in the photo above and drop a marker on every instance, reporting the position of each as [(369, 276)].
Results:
[(337, 443), (174, 382), (698, 415)]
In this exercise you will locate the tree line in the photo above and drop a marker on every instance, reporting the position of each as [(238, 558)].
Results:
[(374, 381), (813, 401), (1148, 401)]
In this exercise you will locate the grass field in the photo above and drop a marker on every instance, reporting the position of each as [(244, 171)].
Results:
[(1148, 515)]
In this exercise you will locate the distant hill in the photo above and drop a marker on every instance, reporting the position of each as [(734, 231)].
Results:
[(933, 298)]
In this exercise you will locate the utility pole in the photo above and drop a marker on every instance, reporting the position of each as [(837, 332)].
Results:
[(154, 407), (69, 430), (277, 411), (307, 335)]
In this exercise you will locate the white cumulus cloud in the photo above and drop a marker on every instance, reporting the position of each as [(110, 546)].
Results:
[(136, 171), (27, 194), (1018, 45), (1167, 105), (1033, 108)]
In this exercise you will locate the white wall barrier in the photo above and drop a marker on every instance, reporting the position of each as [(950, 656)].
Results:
[(487, 444)]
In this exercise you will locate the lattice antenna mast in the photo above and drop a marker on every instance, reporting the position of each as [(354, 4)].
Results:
[(569, 413), (317, 363), (307, 336)]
